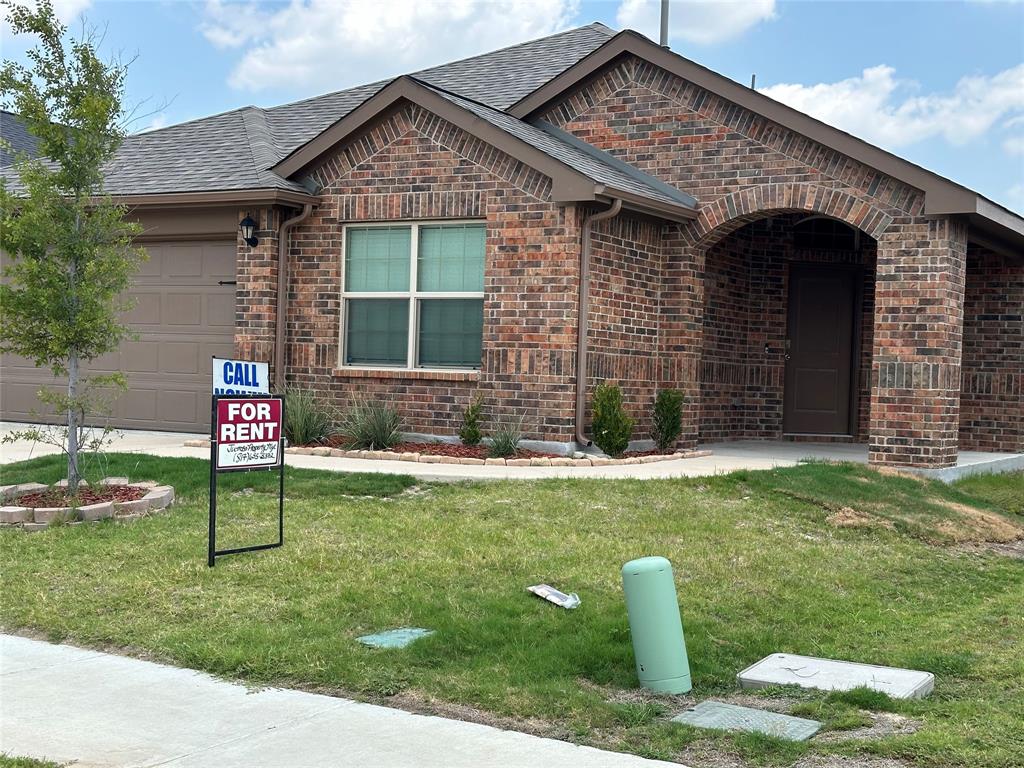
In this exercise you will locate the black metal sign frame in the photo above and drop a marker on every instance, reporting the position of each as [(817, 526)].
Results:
[(212, 553)]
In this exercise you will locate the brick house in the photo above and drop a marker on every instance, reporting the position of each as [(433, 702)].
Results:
[(585, 207)]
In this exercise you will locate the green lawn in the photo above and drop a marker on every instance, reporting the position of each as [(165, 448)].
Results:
[(892, 579)]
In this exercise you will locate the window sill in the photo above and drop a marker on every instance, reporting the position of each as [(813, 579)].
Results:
[(420, 374)]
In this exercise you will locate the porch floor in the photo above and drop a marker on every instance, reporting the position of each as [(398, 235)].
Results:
[(764, 454)]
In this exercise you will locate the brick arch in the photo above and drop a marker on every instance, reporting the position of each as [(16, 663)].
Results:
[(727, 214)]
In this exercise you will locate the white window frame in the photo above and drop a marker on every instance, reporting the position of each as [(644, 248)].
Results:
[(413, 295)]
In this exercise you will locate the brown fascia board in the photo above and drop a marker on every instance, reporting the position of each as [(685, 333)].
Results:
[(217, 198), (567, 184), (942, 196)]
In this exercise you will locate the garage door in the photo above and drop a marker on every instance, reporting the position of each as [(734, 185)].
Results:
[(184, 315)]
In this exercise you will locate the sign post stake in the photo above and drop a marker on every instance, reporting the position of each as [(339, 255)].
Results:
[(242, 439)]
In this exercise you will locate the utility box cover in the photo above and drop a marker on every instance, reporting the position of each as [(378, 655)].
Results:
[(832, 675), (729, 717)]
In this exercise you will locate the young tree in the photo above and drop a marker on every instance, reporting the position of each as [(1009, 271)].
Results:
[(69, 246)]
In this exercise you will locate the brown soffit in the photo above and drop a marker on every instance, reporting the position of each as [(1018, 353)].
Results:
[(942, 196), (567, 184), (219, 198)]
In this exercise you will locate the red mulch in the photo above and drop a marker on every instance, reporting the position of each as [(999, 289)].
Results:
[(56, 497), (443, 449)]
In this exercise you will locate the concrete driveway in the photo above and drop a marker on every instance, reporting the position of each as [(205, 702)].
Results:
[(97, 710)]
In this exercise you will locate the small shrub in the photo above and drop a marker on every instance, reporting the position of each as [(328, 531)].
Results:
[(612, 426), (307, 418), (668, 418), (506, 437), (469, 432), (371, 425)]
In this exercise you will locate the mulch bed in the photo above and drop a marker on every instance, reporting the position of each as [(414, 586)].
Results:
[(652, 452), (443, 449), (56, 497)]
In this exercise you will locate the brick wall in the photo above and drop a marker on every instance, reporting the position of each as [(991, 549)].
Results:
[(256, 289), (625, 301), (411, 166), (992, 391), (742, 167), (690, 306)]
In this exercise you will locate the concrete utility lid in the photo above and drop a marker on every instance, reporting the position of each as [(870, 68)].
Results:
[(729, 717), (395, 638), (831, 675)]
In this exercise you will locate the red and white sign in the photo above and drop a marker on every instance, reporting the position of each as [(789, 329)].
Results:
[(248, 432)]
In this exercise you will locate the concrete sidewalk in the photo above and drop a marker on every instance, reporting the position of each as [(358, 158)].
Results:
[(725, 457), (68, 704)]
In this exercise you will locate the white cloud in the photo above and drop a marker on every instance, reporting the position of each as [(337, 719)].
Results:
[(156, 122), (328, 44), (879, 107), (696, 21), (1014, 145)]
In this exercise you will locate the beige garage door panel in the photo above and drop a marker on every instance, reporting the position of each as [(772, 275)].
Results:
[(181, 319)]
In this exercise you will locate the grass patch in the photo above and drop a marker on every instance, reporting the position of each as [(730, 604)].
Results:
[(7, 761), (1004, 491), (759, 569)]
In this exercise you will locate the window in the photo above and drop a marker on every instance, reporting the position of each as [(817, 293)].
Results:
[(413, 295)]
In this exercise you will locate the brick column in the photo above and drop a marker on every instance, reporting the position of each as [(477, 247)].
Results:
[(919, 300), (681, 328), (256, 291)]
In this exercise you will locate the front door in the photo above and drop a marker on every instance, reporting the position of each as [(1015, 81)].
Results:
[(819, 355)]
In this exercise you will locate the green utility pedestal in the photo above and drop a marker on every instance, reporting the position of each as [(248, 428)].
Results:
[(654, 623)]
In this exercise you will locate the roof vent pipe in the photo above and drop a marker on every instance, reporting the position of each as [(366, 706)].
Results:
[(664, 24), (581, 318)]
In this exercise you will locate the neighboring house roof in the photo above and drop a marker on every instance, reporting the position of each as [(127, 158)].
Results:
[(14, 139)]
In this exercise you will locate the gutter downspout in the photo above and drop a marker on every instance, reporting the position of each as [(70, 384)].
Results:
[(582, 321), (282, 293)]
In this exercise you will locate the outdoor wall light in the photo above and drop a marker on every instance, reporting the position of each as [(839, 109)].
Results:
[(248, 229)]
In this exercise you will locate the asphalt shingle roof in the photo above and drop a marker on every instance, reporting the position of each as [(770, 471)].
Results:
[(16, 138), (235, 150)]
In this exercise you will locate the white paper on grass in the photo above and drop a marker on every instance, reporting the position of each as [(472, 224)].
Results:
[(552, 595)]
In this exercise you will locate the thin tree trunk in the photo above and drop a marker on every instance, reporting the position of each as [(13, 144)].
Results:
[(73, 376)]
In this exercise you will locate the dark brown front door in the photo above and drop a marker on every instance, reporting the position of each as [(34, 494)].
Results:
[(819, 360)]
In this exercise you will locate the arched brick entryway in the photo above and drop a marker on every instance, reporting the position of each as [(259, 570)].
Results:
[(917, 312)]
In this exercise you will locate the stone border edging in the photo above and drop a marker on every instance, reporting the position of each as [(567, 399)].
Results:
[(157, 498), (433, 458)]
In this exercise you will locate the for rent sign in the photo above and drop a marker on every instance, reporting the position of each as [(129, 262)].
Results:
[(248, 432)]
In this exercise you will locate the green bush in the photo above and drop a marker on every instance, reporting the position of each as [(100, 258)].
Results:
[(308, 418), (371, 425), (469, 432), (668, 418), (506, 437), (612, 426)]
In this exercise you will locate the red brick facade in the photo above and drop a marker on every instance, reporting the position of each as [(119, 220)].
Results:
[(698, 306)]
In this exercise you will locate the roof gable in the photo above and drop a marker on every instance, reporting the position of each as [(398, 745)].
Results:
[(942, 196), (576, 175)]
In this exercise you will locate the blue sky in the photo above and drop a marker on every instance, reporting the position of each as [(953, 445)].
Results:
[(940, 83)]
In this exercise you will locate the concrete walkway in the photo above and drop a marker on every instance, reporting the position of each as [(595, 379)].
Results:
[(725, 457), (68, 704)]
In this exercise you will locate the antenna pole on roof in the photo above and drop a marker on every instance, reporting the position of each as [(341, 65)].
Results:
[(664, 23)]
